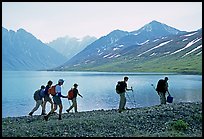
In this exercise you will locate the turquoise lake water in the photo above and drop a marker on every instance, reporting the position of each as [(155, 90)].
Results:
[(97, 88)]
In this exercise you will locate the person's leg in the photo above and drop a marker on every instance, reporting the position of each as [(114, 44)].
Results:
[(55, 99), (162, 98), (75, 104), (37, 105), (43, 107), (122, 101), (52, 105), (70, 106), (60, 111), (51, 112)]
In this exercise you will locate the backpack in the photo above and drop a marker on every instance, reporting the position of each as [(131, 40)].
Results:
[(119, 87), (36, 95), (52, 91), (161, 86), (71, 94)]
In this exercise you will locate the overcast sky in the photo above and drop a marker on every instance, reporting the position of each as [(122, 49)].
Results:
[(50, 20)]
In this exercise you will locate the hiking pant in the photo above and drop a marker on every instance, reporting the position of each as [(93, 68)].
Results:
[(74, 104), (47, 99), (122, 101), (162, 97), (37, 105)]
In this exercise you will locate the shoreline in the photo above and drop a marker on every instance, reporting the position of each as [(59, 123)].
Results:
[(152, 121)]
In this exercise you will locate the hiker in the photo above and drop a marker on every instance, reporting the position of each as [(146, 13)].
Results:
[(162, 88), (38, 95), (122, 91), (57, 100), (47, 98), (74, 101)]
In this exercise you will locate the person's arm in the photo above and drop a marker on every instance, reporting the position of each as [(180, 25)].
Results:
[(129, 89), (60, 95), (166, 87), (80, 95)]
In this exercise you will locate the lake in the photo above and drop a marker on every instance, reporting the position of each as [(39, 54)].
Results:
[(97, 89)]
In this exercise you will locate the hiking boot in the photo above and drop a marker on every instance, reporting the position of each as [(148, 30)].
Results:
[(43, 113), (60, 118), (31, 113), (67, 111), (46, 118), (119, 111), (128, 108)]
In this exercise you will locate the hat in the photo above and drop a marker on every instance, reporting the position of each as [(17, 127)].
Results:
[(75, 84), (61, 80)]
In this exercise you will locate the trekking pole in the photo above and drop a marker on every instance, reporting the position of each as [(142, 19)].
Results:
[(130, 100), (133, 97), (153, 86)]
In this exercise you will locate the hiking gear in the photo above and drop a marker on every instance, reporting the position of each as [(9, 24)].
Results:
[(46, 117), (169, 99), (120, 87), (37, 95), (70, 94), (52, 91), (43, 113), (60, 117), (161, 86), (134, 104), (31, 113)]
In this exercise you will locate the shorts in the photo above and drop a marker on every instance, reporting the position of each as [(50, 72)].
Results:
[(57, 100), (47, 98)]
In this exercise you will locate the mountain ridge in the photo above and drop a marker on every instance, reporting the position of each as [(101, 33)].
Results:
[(108, 50)]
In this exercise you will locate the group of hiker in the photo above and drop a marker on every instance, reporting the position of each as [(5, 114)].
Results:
[(162, 89), (42, 96)]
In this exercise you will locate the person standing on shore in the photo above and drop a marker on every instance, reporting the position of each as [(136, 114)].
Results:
[(74, 101), (162, 88), (47, 98), (38, 95), (122, 91), (57, 100)]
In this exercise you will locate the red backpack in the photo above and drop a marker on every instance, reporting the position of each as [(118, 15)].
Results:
[(71, 94), (52, 91)]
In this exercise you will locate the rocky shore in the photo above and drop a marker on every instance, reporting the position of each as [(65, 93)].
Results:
[(171, 120)]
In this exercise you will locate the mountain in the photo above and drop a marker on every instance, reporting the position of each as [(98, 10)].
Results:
[(154, 47), (22, 51), (70, 46)]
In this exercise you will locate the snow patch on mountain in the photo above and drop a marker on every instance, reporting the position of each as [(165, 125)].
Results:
[(106, 55), (114, 49), (193, 50), (190, 34), (143, 42), (188, 45), (155, 40), (161, 44), (185, 39), (153, 54), (199, 53)]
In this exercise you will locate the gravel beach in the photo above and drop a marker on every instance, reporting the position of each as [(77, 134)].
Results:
[(172, 120)]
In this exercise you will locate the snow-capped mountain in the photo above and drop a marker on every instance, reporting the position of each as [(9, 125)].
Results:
[(70, 46), (155, 42), (22, 51)]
